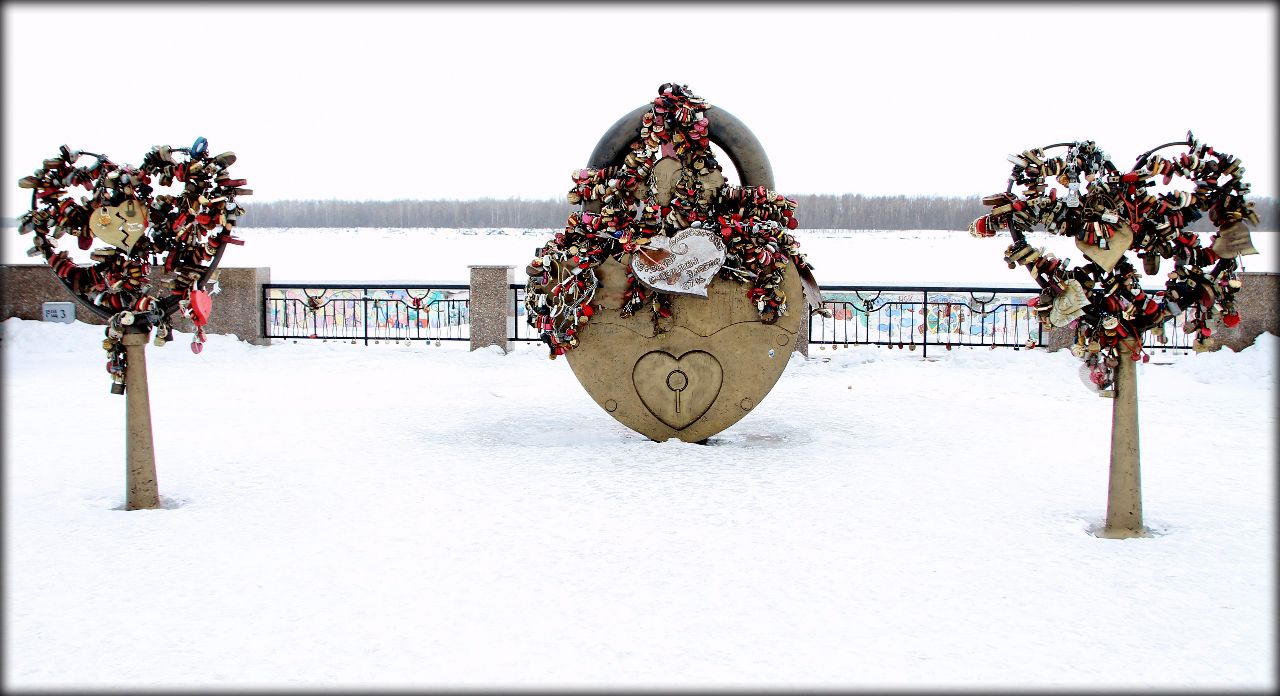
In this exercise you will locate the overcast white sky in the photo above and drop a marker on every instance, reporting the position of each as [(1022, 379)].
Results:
[(369, 101)]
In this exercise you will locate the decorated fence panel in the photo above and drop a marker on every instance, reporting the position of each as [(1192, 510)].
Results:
[(915, 316), (883, 315), (367, 312)]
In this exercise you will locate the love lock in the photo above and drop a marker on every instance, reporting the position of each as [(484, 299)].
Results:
[(714, 345)]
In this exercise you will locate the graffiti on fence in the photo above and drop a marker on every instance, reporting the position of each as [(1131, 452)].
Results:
[(945, 314), (373, 309)]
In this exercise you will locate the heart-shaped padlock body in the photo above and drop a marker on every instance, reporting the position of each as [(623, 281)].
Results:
[(727, 358), (1117, 245), (201, 305), (121, 226)]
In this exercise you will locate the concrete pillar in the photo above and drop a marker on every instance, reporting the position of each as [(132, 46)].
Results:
[(1124, 490), (490, 305), (142, 490)]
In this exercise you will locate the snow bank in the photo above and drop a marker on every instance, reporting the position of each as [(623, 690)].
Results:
[(339, 515)]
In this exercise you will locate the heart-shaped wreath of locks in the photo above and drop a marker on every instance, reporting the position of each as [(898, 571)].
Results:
[(752, 221), (1109, 213), (189, 232)]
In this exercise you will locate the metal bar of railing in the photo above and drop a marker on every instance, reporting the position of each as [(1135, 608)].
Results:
[(883, 315), (392, 313)]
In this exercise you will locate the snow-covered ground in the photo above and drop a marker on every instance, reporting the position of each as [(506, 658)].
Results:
[(338, 515)]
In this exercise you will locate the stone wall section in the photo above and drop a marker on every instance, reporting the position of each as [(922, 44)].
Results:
[(237, 308)]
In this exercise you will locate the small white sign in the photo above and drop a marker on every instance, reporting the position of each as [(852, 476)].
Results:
[(64, 312)]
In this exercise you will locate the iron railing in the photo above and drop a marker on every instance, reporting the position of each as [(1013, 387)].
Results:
[(373, 312), (366, 312), (899, 316), (904, 316)]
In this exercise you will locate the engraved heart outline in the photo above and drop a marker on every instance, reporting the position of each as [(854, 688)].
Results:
[(677, 391)]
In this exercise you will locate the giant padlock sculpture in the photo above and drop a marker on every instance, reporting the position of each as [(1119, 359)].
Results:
[(713, 264)]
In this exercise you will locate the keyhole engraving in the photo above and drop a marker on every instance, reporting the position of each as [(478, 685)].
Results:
[(695, 377), (676, 382)]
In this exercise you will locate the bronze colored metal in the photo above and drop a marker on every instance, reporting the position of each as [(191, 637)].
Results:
[(121, 226), (705, 373)]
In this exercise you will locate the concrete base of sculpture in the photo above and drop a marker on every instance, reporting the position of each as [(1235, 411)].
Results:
[(713, 364)]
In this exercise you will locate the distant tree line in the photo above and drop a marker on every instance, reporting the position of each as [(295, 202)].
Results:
[(841, 212)]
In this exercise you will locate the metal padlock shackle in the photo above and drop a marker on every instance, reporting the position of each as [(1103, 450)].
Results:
[(731, 134)]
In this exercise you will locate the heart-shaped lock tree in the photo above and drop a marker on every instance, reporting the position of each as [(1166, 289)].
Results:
[(1109, 214), (671, 293), (86, 197)]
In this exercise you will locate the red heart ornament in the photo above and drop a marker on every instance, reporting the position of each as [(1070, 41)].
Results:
[(201, 304)]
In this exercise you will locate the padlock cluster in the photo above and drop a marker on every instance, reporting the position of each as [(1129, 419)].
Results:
[(622, 212), (1109, 213), (187, 232)]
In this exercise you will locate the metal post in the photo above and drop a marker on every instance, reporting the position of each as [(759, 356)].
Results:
[(924, 349), (515, 314), (142, 490), (1124, 491), (364, 306)]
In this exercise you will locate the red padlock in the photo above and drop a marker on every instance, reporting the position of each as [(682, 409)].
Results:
[(201, 304)]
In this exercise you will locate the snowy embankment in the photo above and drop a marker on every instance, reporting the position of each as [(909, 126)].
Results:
[(393, 255), (425, 517)]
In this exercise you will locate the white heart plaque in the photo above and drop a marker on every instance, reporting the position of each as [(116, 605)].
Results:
[(684, 264)]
